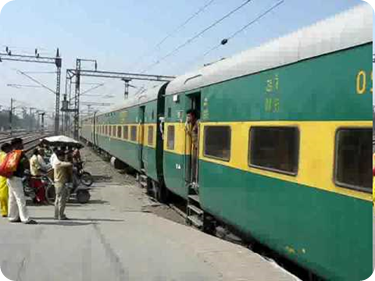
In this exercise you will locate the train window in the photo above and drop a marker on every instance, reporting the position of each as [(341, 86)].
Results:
[(150, 135), (113, 131), (152, 115), (171, 138), (133, 133), (126, 132), (119, 131), (353, 161), (217, 142), (274, 148)]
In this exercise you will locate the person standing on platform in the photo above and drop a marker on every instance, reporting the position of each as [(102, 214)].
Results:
[(37, 168), (53, 157), (63, 174), (17, 202), (5, 148)]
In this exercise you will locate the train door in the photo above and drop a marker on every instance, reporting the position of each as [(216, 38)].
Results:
[(92, 130), (192, 140), (95, 129), (141, 118), (194, 212)]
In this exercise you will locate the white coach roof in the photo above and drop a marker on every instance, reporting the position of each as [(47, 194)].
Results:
[(345, 30), (148, 95)]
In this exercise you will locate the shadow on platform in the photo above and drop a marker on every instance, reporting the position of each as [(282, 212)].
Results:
[(74, 220)]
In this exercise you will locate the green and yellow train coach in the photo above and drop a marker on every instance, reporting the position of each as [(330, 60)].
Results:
[(285, 144), (131, 133)]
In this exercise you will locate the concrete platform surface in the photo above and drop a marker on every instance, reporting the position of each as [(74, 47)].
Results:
[(113, 238)]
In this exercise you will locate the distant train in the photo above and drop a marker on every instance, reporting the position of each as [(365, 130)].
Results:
[(285, 144)]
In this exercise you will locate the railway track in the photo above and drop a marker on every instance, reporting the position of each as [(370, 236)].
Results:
[(8, 137), (30, 140)]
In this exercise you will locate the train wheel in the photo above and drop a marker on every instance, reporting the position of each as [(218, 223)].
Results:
[(150, 188), (154, 190), (160, 192), (138, 180)]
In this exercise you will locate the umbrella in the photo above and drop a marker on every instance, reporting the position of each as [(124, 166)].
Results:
[(61, 141)]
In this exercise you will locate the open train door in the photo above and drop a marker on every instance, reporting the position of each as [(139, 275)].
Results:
[(195, 214), (95, 130), (192, 141), (141, 121)]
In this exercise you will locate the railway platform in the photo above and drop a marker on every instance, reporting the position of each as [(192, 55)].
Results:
[(123, 235)]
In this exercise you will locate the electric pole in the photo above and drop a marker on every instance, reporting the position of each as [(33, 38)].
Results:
[(31, 120), (78, 73), (126, 93), (11, 116), (42, 115), (57, 61), (31, 116)]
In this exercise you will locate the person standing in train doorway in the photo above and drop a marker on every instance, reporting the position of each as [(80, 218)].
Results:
[(192, 129)]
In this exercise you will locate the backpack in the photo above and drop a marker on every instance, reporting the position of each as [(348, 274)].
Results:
[(10, 164)]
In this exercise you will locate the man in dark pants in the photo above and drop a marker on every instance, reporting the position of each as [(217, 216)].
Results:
[(17, 202)]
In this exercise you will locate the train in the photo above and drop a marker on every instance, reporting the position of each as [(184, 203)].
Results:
[(284, 144)]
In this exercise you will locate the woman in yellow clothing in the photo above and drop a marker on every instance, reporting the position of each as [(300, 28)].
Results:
[(373, 178), (5, 148)]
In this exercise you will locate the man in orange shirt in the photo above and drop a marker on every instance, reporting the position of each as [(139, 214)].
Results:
[(17, 202), (5, 148)]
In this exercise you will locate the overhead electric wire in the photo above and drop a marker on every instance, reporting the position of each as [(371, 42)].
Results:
[(186, 22), (36, 81), (244, 27), (40, 72), (189, 41), (169, 35), (199, 58)]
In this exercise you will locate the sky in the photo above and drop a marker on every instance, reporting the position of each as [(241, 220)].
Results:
[(122, 35)]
